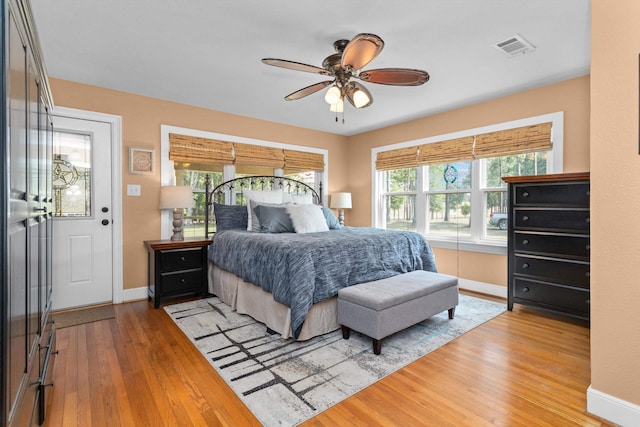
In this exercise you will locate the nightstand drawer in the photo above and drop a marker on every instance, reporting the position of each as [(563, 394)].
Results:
[(563, 271), (576, 220), (552, 194), (556, 297), (555, 244), (182, 281), (180, 259)]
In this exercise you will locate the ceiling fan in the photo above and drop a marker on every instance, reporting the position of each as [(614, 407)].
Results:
[(347, 63)]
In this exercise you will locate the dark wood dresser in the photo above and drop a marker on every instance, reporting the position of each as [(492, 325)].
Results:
[(549, 244), (177, 268)]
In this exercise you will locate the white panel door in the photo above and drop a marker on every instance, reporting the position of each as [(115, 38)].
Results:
[(82, 252)]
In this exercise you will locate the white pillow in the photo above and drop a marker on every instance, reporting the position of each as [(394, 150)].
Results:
[(269, 196), (307, 218), (298, 199)]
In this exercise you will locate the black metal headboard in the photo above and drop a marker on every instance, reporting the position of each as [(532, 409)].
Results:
[(231, 192)]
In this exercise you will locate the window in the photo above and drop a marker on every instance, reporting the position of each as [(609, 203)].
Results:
[(194, 155), (462, 201)]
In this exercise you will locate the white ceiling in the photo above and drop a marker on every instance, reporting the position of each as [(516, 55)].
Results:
[(207, 53)]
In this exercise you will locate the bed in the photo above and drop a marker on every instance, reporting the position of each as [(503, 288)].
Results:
[(283, 260)]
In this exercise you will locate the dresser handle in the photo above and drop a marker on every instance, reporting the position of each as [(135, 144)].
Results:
[(587, 274), (182, 281), (525, 265), (182, 258), (525, 242), (588, 193), (525, 194), (588, 220), (525, 218), (587, 301), (588, 247), (525, 289)]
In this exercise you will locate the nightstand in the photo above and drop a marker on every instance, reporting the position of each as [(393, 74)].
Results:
[(177, 268)]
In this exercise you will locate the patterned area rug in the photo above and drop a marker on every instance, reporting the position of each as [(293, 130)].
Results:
[(284, 382)]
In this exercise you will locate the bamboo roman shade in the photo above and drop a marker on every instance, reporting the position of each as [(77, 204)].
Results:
[(525, 139), (397, 159), (207, 153), (452, 150), (520, 140), (258, 155), (300, 161), (192, 149)]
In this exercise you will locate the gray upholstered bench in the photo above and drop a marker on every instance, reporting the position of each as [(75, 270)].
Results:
[(382, 307)]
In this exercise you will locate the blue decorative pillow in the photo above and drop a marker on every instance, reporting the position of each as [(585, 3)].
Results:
[(230, 217), (273, 219), (332, 221)]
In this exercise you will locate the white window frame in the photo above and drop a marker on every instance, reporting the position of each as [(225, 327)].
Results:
[(167, 173), (555, 159)]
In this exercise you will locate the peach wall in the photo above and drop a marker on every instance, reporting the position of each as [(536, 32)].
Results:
[(570, 96), (615, 176), (141, 120)]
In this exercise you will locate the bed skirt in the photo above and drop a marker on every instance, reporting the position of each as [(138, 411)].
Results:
[(247, 298)]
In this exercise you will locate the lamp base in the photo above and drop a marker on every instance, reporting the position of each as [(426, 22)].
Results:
[(177, 225), (341, 216)]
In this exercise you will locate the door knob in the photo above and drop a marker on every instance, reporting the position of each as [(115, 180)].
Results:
[(105, 222)]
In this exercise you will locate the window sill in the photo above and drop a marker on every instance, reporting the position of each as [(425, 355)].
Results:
[(497, 248)]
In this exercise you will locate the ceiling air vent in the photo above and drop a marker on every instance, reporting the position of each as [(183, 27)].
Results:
[(515, 46)]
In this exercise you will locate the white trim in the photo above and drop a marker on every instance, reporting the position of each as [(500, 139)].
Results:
[(136, 294), (116, 188), (555, 164), (612, 409), (483, 288), (166, 166)]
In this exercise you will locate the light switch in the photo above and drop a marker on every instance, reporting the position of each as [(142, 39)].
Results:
[(133, 189)]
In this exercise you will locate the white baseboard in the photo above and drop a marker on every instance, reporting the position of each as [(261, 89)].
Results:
[(135, 294), (483, 288), (612, 408)]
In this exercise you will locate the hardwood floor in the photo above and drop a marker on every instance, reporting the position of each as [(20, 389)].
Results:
[(520, 369)]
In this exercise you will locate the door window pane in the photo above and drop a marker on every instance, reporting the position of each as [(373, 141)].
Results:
[(72, 174)]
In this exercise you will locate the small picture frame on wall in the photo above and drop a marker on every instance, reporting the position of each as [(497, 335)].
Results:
[(141, 160)]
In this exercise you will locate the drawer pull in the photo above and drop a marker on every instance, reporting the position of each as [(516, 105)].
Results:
[(588, 193), (182, 258), (525, 194), (183, 281), (525, 218), (588, 247), (588, 220), (525, 289), (587, 274), (525, 242), (525, 265)]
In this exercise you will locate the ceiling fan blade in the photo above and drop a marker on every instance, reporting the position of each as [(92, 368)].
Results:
[(307, 90), (357, 99), (395, 76), (297, 66), (361, 50)]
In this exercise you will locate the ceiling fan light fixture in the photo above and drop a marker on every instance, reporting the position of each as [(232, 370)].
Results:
[(338, 107), (360, 98), (333, 95)]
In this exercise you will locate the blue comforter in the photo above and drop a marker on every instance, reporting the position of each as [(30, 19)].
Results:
[(303, 269)]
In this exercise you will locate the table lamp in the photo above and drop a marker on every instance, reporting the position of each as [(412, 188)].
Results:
[(177, 198), (341, 201)]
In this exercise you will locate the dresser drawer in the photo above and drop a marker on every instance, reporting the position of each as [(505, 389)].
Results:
[(182, 281), (568, 220), (180, 259), (569, 194), (570, 300), (552, 244), (569, 272)]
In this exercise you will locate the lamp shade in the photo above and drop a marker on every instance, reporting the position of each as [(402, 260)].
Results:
[(341, 200), (176, 197)]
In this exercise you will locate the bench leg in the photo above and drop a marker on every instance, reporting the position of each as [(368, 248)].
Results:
[(452, 311), (377, 346), (345, 332)]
